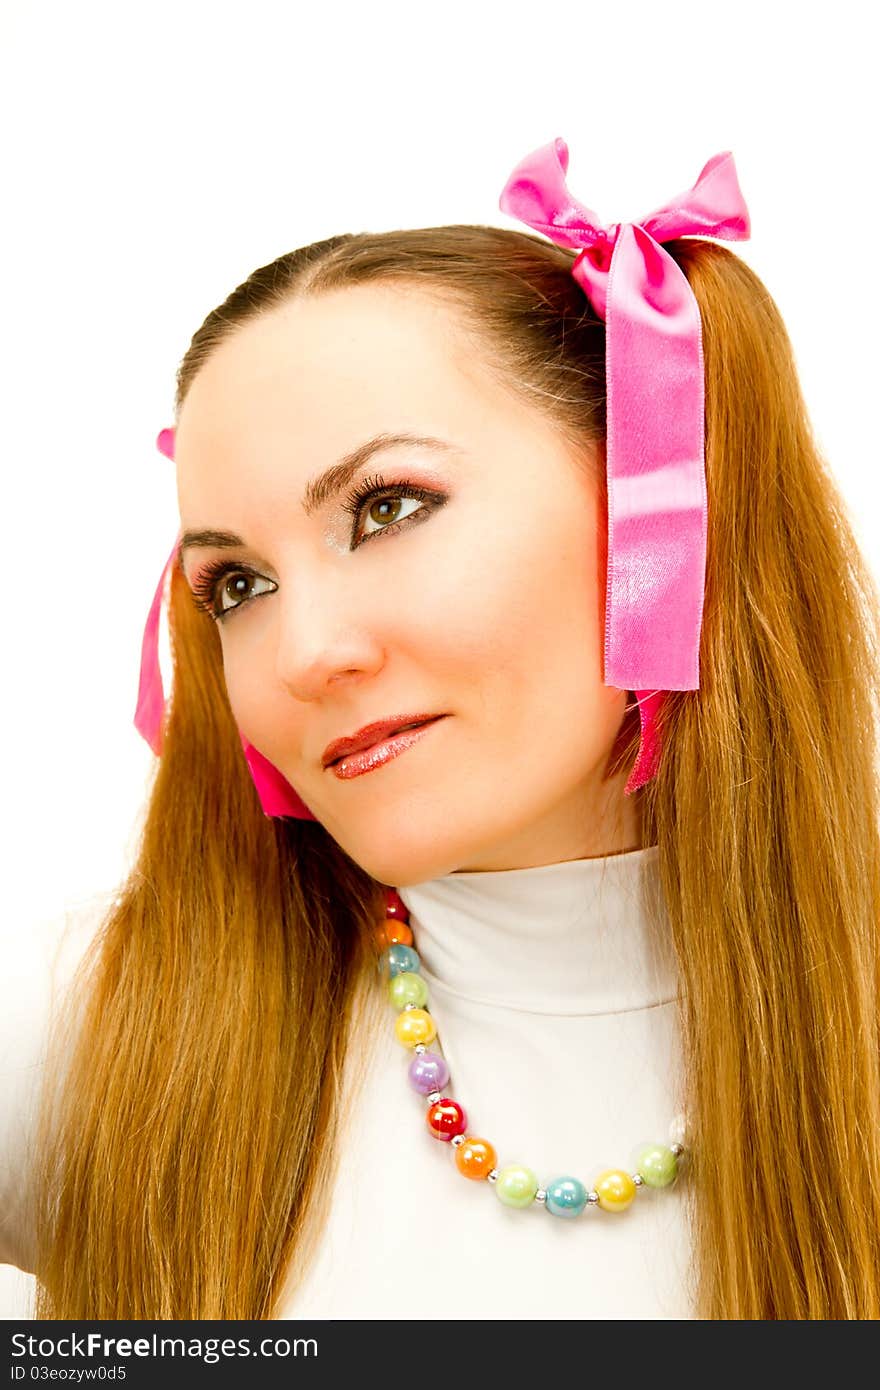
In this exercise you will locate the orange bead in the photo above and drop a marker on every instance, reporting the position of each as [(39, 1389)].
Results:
[(475, 1158), (391, 933), (398, 933)]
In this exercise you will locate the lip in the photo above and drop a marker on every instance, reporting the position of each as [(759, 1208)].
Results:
[(371, 734)]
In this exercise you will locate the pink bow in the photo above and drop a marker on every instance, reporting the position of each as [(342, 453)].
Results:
[(654, 417), (277, 796)]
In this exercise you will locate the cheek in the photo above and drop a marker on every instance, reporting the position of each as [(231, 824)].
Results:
[(248, 687), (523, 602), (517, 640)]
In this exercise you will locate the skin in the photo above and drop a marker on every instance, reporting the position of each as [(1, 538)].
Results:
[(490, 608)]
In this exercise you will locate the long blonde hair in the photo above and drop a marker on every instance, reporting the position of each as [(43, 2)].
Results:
[(193, 1091)]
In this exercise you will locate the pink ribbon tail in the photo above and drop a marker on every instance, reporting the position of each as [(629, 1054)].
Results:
[(277, 796), (150, 712)]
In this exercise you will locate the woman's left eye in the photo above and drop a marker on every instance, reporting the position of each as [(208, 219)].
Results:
[(212, 584), (376, 494)]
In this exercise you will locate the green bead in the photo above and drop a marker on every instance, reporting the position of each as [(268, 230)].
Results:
[(516, 1186), (656, 1163), (407, 988)]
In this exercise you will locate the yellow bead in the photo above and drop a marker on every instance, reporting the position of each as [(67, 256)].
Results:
[(414, 1026), (616, 1189)]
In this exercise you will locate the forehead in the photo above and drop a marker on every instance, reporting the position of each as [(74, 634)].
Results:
[(303, 384)]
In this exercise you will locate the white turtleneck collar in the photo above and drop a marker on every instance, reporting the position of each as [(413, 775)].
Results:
[(584, 936)]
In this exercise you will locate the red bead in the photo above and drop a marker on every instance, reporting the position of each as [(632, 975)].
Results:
[(446, 1118), (395, 907)]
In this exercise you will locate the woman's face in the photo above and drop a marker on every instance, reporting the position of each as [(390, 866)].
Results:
[(484, 604)]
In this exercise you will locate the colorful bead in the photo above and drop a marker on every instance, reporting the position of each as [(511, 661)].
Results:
[(616, 1189), (398, 959), (408, 988), (414, 1026), (392, 934), (428, 1072), (516, 1186), (475, 1158), (446, 1118), (656, 1163), (395, 907), (566, 1197)]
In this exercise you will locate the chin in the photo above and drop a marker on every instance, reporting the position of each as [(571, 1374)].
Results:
[(400, 873), (399, 868), (414, 837)]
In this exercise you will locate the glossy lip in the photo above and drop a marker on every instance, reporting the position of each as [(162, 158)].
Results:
[(356, 764), (371, 734)]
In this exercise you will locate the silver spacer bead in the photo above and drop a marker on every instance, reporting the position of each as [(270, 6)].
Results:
[(457, 1140), (592, 1198), (409, 1006), (492, 1175), (420, 1048), (541, 1195), (677, 1149), (638, 1179), (434, 1096)]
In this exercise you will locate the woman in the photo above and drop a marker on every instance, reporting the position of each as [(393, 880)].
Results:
[(695, 960)]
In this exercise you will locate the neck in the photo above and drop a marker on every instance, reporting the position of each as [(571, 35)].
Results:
[(576, 937)]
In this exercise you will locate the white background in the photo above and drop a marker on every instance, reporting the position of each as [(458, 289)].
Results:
[(153, 157)]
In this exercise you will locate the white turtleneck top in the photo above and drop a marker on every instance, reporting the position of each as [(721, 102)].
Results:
[(554, 990)]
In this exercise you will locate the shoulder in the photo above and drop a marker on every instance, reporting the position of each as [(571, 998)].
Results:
[(39, 963)]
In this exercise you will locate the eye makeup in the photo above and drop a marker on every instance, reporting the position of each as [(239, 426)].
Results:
[(206, 585)]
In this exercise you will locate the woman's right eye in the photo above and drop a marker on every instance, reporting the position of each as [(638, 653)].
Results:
[(213, 584)]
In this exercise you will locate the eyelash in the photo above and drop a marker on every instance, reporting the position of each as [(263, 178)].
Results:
[(206, 584)]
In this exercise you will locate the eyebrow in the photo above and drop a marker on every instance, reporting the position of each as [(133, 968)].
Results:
[(320, 489)]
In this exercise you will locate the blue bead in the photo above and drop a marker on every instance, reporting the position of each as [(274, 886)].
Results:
[(566, 1197), (396, 959)]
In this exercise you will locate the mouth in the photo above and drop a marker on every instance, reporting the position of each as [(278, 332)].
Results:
[(390, 744), (372, 734)]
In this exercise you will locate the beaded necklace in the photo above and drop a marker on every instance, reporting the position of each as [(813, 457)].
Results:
[(654, 1165)]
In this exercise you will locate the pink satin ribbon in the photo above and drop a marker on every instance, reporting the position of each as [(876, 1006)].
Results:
[(654, 447), (654, 418)]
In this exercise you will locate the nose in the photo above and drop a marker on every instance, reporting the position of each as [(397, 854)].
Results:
[(325, 634)]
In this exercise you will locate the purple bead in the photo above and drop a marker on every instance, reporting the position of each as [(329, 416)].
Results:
[(428, 1072)]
